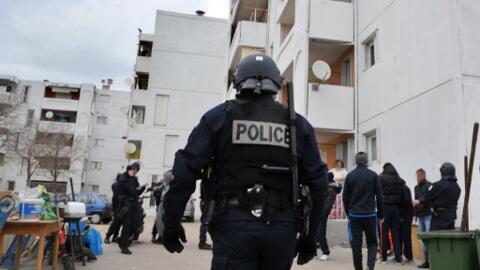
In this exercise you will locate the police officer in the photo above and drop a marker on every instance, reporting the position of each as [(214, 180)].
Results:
[(156, 189), (363, 202), (443, 197), (114, 228), (130, 189), (202, 244), (255, 225)]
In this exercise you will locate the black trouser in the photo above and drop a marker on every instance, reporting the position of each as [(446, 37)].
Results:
[(130, 224), (443, 220), (406, 236), (253, 244), (322, 235), (391, 223), (115, 225), (203, 225), (203, 233), (154, 229), (358, 226)]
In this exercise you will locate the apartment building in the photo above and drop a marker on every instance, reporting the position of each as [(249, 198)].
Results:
[(178, 77), (296, 34), (58, 128), (405, 75)]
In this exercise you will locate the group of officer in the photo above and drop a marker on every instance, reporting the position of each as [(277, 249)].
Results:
[(249, 212), (127, 211)]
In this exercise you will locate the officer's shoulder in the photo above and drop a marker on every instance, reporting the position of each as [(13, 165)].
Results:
[(303, 123), (216, 112)]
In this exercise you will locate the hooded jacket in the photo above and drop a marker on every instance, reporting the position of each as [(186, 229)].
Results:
[(392, 186)]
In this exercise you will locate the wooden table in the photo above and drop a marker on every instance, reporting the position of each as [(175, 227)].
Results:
[(42, 228)]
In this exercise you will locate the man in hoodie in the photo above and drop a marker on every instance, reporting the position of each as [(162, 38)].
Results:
[(443, 197), (363, 202), (406, 219), (392, 191)]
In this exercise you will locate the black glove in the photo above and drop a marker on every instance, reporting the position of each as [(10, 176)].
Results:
[(306, 249), (171, 238)]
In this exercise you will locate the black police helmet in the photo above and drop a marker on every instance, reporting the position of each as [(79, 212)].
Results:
[(447, 170), (135, 165), (257, 73)]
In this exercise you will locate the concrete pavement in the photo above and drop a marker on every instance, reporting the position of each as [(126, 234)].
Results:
[(152, 256)]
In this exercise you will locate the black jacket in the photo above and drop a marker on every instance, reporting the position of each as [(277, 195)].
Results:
[(128, 186), (406, 207), (362, 193), (422, 209), (392, 186), (334, 188), (443, 195)]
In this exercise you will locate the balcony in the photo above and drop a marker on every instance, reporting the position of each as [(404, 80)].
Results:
[(330, 107), (143, 64), (56, 127), (331, 20), (60, 104), (242, 9), (252, 35), (7, 100)]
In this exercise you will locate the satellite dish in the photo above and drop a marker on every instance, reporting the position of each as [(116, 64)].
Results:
[(49, 115), (321, 70), (130, 148)]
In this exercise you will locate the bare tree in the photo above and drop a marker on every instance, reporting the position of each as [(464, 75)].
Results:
[(61, 151)]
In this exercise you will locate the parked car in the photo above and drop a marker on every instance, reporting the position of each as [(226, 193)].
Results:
[(189, 214), (98, 208)]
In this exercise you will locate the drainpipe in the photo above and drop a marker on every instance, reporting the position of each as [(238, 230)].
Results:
[(357, 58)]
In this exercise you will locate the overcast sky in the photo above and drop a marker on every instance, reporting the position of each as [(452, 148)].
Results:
[(82, 40)]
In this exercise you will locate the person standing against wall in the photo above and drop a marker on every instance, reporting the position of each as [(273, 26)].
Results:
[(423, 214), (406, 219)]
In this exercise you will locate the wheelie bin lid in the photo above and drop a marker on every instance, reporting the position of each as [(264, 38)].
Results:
[(449, 235)]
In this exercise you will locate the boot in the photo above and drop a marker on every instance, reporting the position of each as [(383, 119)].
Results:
[(204, 246), (125, 250), (424, 265), (107, 240)]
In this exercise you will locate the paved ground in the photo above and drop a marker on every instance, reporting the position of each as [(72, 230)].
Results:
[(150, 256)]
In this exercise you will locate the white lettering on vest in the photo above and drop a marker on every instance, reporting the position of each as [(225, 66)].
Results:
[(263, 133)]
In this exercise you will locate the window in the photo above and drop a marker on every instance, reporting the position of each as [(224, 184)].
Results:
[(26, 91), (62, 92), (11, 185), (346, 75), (141, 81), (138, 150), (370, 47), (138, 114), (59, 116), (94, 188), (372, 146), (170, 147), (2, 159), (98, 142), (161, 110), (30, 115), (96, 165), (145, 48), (56, 139), (102, 120), (51, 162)]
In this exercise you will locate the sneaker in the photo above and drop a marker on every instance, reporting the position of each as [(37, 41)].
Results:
[(126, 251), (424, 265), (204, 246), (324, 258)]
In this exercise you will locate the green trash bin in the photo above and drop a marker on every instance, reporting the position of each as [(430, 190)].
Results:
[(452, 249)]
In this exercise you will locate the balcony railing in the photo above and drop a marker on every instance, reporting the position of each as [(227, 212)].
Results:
[(56, 127), (60, 104), (331, 106), (143, 64), (331, 20)]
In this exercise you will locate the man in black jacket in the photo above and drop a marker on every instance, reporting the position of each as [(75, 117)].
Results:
[(116, 224), (392, 191), (334, 188), (406, 219), (363, 202), (422, 213)]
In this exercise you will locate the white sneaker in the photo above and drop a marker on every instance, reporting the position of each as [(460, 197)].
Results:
[(324, 258)]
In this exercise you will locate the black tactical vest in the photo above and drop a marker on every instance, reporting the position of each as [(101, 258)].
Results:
[(257, 134)]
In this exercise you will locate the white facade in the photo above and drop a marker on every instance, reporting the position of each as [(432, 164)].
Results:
[(185, 63), (422, 95), (411, 92), (74, 109)]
